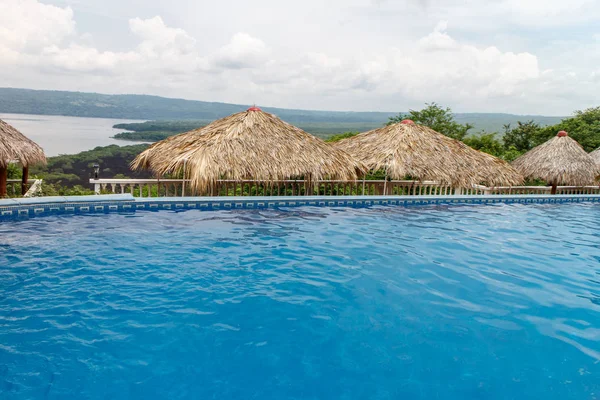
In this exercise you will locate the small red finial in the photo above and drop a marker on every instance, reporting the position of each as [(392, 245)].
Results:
[(254, 108), (562, 134), (408, 122)]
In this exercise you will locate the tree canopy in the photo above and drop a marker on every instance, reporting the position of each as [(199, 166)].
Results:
[(437, 118)]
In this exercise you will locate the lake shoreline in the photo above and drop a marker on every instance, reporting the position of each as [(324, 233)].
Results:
[(68, 135)]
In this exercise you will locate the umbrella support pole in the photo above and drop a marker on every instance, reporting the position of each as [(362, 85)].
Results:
[(183, 181), (24, 180), (309, 189), (3, 180), (553, 191), (385, 186)]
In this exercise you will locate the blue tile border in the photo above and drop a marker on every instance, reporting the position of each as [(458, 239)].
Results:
[(11, 209)]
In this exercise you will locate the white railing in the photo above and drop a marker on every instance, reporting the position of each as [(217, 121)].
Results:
[(177, 187), (14, 187), (544, 190), (34, 189)]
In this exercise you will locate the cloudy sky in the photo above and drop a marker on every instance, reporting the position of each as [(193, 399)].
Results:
[(517, 56)]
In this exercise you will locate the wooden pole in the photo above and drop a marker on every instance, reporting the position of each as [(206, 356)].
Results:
[(24, 181), (309, 181), (3, 179), (183, 181), (554, 185), (385, 185)]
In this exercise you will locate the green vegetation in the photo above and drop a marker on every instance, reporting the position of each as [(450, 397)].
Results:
[(437, 118), (56, 189), (144, 136), (164, 126), (69, 171), (338, 137), (487, 143), (583, 126), (153, 131)]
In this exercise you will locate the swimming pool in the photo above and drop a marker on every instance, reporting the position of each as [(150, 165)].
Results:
[(450, 302)]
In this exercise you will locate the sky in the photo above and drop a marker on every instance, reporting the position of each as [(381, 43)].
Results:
[(513, 56)]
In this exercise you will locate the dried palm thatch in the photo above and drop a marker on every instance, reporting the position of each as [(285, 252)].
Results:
[(248, 145), (410, 150), (14, 146), (559, 161), (596, 157)]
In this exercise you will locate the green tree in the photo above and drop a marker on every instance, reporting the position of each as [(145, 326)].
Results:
[(486, 142), (437, 118), (583, 126), (55, 189), (14, 171), (521, 138), (77, 169)]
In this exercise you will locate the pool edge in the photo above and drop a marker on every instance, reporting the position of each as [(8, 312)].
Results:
[(15, 209)]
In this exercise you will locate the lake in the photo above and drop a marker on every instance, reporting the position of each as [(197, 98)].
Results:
[(67, 135)]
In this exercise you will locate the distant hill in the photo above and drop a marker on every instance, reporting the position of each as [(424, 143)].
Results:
[(144, 107), (494, 122)]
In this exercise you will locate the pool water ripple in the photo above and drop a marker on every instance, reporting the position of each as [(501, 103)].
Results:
[(489, 302)]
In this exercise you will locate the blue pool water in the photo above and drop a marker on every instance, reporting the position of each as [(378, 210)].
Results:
[(483, 302)]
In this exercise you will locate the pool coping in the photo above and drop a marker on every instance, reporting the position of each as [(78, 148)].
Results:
[(23, 208)]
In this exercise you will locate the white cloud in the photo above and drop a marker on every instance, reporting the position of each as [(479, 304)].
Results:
[(28, 26), (48, 40), (438, 39), (387, 59), (549, 12), (244, 51), (158, 39), (461, 72), (84, 59)]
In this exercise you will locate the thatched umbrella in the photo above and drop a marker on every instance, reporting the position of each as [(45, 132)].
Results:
[(14, 146), (407, 149), (559, 161), (248, 145), (596, 156)]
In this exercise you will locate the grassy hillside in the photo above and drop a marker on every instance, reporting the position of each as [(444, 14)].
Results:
[(77, 104), (321, 123), (494, 122)]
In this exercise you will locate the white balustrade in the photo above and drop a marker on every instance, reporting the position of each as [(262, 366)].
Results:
[(545, 190), (175, 188)]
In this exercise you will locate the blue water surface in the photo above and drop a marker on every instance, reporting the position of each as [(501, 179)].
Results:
[(481, 302)]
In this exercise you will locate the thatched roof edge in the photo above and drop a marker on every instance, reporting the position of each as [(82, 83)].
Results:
[(14, 146)]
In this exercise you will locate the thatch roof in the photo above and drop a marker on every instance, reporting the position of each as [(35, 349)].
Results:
[(248, 145), (596, 157), (14, 146), (406, 149), (559, 161)]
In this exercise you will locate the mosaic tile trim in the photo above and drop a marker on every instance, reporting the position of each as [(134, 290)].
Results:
[(20, 211), (25, 211)]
